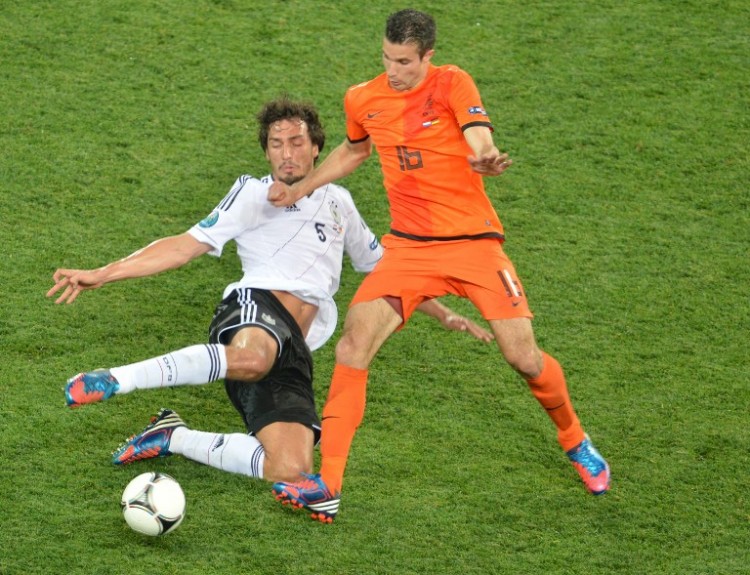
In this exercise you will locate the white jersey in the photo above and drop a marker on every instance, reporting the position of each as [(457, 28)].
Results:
[(298, 249)]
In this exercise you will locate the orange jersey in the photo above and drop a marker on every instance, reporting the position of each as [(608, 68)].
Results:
[(418, 134)]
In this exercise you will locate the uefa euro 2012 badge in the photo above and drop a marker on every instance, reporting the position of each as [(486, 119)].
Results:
[(209, 220)]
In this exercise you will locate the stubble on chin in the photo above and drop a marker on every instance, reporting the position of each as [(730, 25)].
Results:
[(290, 180)]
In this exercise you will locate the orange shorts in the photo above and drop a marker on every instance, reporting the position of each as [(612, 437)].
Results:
[(477, 270)]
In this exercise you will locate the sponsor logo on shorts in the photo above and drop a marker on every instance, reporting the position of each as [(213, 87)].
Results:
[(268, 319)]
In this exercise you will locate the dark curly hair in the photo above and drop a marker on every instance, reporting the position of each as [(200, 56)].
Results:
[(284, 108), (411, 26)]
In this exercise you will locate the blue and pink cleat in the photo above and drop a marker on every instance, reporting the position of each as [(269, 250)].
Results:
[(90, 387), (152, 442), (311, 494), (591, 466)]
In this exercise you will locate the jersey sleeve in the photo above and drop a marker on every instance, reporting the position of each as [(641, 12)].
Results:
[(466, 102), (355, 132), (360, 243), (234, 214)]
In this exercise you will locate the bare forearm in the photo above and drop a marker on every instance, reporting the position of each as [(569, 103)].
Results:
[(451, 320), (341, 162), (434, 308), (159, 256)]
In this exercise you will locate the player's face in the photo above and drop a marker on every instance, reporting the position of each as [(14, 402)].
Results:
[(403, 66), (290, 150)]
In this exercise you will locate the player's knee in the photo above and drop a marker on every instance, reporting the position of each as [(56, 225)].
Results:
[(355, 349), (247, 365), (287, 470), (348, 351), (527, 363)]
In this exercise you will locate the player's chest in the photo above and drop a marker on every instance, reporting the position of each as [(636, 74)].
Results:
[(319, 220), (424, 117)]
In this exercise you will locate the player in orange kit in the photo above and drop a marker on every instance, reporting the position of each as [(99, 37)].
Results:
[(434, 140)]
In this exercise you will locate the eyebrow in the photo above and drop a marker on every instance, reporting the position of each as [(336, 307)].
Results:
[(399, 59), (281, 138)]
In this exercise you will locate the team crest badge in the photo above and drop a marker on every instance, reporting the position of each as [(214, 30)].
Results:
[(336, 217)]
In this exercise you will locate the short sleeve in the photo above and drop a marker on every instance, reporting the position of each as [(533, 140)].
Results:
[(233, 215)]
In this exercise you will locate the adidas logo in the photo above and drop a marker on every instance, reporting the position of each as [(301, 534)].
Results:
[(292, 208), (268, 319)]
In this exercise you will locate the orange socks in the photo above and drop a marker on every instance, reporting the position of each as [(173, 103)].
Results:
[(345, 408), (342, 414), (551, 392)]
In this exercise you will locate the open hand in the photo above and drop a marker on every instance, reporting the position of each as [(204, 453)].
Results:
[(490, 164), (459, 323), (73, 282)]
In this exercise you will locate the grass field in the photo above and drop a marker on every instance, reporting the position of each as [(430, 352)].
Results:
[(627, 214)]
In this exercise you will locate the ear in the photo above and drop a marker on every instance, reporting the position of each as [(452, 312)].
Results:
[(428, 55)]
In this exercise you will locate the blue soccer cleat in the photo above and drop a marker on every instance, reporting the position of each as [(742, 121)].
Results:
[(90, 387), (591, 466), (152, 442), (311, 494)]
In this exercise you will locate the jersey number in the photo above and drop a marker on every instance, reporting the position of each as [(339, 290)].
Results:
[(319, 228), (408, 160)]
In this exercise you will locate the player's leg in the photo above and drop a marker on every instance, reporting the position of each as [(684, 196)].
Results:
[(167, 434), (546, 380), (542, 372), (195, 364), (249, 359), (366, 328), (289, 444), (368, 324), (288, 450), (278, 409), (251, 354), (502, 300), (281, 451)]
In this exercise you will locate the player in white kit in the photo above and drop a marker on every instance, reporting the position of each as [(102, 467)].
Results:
[(267, 323)]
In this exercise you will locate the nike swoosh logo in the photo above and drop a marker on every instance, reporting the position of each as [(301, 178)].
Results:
[(373, 114)]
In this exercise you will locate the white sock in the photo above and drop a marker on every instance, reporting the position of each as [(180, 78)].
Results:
[(196, 364), (235, 452)]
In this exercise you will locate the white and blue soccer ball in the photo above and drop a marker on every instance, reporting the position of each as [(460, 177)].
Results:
[(153, 503)]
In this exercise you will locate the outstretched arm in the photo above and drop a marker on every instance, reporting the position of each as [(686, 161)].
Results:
[(341, 162), (454, 321), (161, 255), (487, 159)]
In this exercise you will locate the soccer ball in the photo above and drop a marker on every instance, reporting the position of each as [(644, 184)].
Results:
[(153, 503)]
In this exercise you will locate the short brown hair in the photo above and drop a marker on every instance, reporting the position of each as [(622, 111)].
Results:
[(411, 26), (284, 108)]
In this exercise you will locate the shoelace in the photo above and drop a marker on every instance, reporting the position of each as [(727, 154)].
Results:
[(587, 458), (308, 483)]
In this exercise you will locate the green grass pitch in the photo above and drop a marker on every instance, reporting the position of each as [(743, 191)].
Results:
[(627, 215)]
